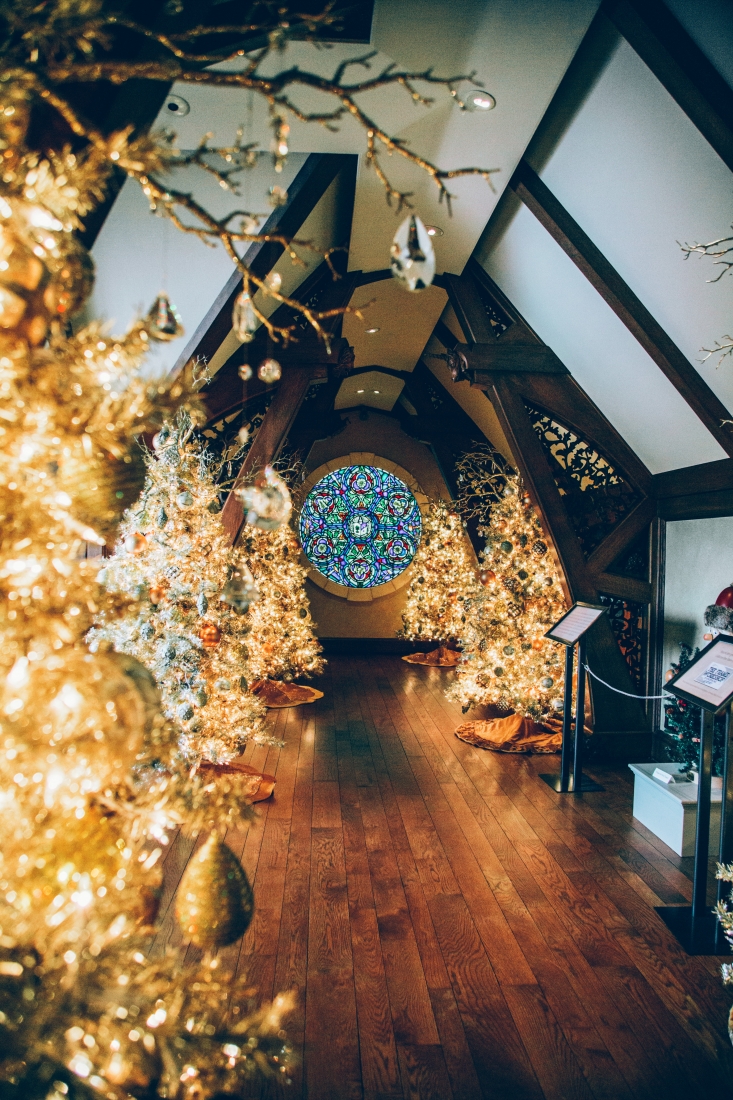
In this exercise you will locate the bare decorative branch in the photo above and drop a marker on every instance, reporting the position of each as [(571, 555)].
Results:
[(721, 251), (69, 42)]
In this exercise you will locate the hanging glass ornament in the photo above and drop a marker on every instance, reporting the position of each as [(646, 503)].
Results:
[(267, 501), (269, 371), (274, 280), (136, 543), (413, 257), (214, 903), (245, 372), (240, 590), (164, 321), (243, 436), (278, 196), (244, 318), (184, 500)]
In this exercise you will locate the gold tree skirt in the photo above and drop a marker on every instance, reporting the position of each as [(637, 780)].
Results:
[(513, 734), (442, 657), (276, 693), (260, 792)]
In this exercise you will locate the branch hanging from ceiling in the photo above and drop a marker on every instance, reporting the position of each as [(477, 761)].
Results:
[(50, 50)]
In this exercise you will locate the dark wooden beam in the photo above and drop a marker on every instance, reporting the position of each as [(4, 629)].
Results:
[(464, 296), (697, 505), (267, 443), (704, 478), (624, 588), (622, 535), (306, 190), (625, 304), (485, 360), (680, 65)]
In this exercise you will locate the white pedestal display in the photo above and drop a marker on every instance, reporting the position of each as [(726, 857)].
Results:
[(669, 810)]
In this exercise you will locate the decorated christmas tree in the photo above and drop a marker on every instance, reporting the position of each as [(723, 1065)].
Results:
[(282, 643), (90, 783), (191, 626), (506, 659), (443, 579)]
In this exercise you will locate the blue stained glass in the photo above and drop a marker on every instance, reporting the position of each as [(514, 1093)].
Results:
[(360, 526)]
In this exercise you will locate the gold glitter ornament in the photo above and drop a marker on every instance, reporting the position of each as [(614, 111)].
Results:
[(101, 485), (135, 543), (45, 273), (215, 903), (90, 713)]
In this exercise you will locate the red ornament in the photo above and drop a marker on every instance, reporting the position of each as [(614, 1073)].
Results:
[(725, 599), (210, 635)]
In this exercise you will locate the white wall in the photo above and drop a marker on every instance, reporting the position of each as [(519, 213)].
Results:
[(136, 253), (699, 566)]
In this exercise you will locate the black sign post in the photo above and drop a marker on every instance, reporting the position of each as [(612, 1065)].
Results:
[(569, 631), (707, 682)]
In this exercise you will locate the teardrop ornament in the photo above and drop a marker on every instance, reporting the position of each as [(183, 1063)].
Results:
[(244, 318), (215, 903), (412, 255), (164, 321)]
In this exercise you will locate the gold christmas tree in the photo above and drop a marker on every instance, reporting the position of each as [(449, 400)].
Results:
[(282, 644), (192, 627), (90, 783), (444, 578), (506, 660)]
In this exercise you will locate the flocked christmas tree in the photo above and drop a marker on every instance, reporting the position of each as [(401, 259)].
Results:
[(191, 626), (443, 579), (282, 643), (506, 660)]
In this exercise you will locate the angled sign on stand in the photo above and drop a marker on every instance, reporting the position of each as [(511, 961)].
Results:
[(570, 631)]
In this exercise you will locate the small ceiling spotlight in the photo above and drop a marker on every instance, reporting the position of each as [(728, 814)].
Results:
[(433, 231), (476, 99), (375, 391), (175, 105), (360, 391), (371, 331)]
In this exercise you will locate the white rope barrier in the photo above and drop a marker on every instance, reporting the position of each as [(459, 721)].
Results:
[(618, 690)]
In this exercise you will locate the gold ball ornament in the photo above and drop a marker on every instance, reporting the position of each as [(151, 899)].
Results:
[(210, 635), (215, 903), (45, 273), (486, 576), (102, 486), (135, 543), (89, 714)]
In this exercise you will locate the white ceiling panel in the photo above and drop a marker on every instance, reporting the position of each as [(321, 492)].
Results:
[(380, 391), (613, 369), (638, 177)]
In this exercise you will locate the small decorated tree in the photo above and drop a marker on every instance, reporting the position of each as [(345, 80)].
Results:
[(281, 644), (191, 626), (443, 579), (506, 659)]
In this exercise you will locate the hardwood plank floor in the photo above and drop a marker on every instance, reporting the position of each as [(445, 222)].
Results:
[(455, 930)]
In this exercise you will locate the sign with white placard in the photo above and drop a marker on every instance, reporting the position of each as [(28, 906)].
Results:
[(575, 622), (708, 680)]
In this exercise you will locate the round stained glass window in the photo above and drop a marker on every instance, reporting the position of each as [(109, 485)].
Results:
[(360, 526)]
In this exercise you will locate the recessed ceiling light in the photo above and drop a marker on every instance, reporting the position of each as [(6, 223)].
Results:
[(360, 391), (476, 99), (176, 105), (371, 331), (375, 391), (434, 231)]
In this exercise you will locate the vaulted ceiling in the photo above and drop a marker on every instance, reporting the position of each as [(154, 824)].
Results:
[(602, 129)]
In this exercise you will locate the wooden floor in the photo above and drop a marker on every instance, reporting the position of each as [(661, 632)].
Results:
[(454, 928)]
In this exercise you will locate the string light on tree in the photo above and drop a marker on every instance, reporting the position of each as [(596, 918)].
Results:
[(506, 660), (443, 579)]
